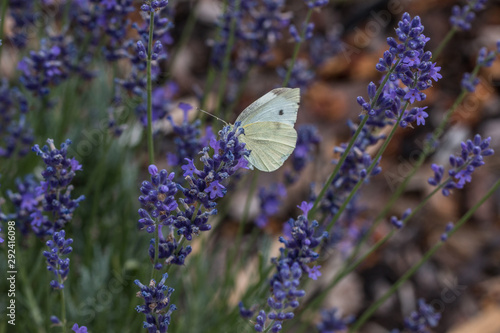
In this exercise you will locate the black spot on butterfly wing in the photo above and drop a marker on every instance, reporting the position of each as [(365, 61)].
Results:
[(281, 112)]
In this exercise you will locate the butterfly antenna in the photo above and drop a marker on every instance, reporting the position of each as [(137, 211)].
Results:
[(213, 116)]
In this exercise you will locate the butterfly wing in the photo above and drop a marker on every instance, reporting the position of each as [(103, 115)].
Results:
[(270, 143), (278, 105)]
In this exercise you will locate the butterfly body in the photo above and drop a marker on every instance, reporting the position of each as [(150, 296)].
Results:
[(268, 125)]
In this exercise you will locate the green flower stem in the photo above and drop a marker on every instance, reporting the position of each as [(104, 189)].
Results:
[(149, 93), (370, 169), (227, 62), (297, 48), (343, 157), (368, 313), (211, 71), (444, 42), (3, 11), (149, 90), (63, 309)]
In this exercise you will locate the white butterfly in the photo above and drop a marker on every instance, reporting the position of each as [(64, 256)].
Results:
[(268, 124)]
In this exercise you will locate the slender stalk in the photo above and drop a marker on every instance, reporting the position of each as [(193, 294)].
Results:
[(227, 61), (297, 48), (444, 42), (343, 157), (149, 133), (211, 71), (149, 89), (63, 310), (368, 313), (3, 11)]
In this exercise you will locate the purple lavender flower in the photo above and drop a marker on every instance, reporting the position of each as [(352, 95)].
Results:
[(25, 17), (331, 322), (448, 228), (259, 26), (79, 329), (421, 320), (270, 201), (294, 260), (26, 201), (188, 141), (462, 17), (57, 203), (187, 215), (56, 258), (484, 59), (137, 53), (463, 165), (307, 141), (156, 301), (16, 134), (411, 72), (398, 223)]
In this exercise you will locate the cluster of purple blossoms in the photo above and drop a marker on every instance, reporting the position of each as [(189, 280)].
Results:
[(398, 223), (188, 141), (137, 53), (188, 215), (421, 320), (259, 25), (270, 201), (57, 58), (25, 201), (331, 322), (57, 262), (57, 203), (462, 17), (463, 165), (16, 134), (113, 18), (157, 307), (409, 73), (308, 33), (25, 17), (484, 59), (295, 259), (308, 140)]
